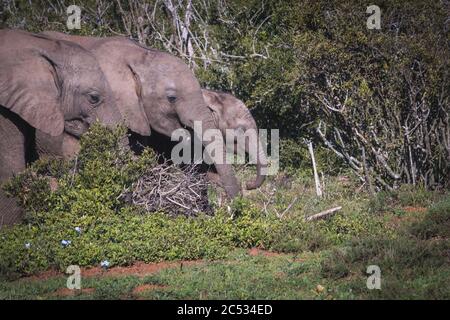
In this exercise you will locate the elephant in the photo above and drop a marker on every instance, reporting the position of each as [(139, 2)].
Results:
[(229, 113), (50, 90), (155, 91), (232, 114)]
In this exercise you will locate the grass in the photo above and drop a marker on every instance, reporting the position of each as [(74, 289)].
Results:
[(414, 263), (240, 276)]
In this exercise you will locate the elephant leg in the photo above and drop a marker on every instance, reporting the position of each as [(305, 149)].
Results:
[(13, 141)]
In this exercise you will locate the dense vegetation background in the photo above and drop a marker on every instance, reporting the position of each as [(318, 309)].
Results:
[(85, 221), (378, 100), (375, 104)]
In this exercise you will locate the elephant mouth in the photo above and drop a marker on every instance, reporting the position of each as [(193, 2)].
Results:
[(75, 127)]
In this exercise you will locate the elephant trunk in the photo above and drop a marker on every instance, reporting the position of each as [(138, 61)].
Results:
[(261, 162), (225, 171), (108, 117)]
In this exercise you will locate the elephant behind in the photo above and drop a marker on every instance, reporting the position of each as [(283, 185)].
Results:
[(47, 87), (232, 114)]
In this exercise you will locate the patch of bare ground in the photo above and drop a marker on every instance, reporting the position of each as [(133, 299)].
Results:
[(262, 252), (140, 269), (416, 215), (147, 287), (395, 222), (415, 209), (65, 292)]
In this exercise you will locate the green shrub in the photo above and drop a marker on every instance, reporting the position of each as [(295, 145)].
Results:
[(295, 159), (294, 156), (436, 223), (87, 211), (410, 195), (405, 196), (296, 235)]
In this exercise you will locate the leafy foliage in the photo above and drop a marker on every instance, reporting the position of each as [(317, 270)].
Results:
[(309, 68), (84, 221)]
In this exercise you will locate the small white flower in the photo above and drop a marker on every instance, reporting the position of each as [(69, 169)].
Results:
[(65, 243), (104, 264), (27, 245), (78, 229)]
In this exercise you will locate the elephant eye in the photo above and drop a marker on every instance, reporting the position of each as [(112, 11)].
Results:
[(94, 98), (172, 98)]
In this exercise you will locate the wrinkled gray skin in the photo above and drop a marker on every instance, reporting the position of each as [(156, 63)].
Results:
[(231, 113), (154, 91), (47, 87)]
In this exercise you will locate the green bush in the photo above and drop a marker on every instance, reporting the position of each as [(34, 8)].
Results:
[(294, 156), (86, 210), (296, 235), (405, 196), (294, 63), (436, 223)]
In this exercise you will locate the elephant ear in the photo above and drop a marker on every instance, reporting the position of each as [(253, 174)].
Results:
[(214, 101), (134, 115), (30, 87), (118, 62)]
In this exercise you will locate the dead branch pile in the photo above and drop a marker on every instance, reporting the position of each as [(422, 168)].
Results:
[(169, 188)]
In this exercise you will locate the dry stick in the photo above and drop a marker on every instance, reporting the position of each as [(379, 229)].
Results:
[(171, 190), (288, 208), (181, 205), (265, 204), (192, 190), (323, 214), (366, 172), (316, 175)]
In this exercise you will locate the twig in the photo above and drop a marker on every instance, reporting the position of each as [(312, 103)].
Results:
[(316, 175), (323, 214), (166, 187), (288, 208)]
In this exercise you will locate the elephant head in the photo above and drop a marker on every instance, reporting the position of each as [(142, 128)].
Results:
[(53, 85), (154, 91), (49, 89), (232, 114)]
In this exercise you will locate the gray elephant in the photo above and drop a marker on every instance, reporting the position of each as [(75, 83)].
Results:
[(154, 91), (232, 114), (47, 87)]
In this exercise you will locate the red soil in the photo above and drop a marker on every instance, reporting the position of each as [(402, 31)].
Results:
[(261, 252), (140, 269), (146, 287), (415, 209), (65, 292)]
